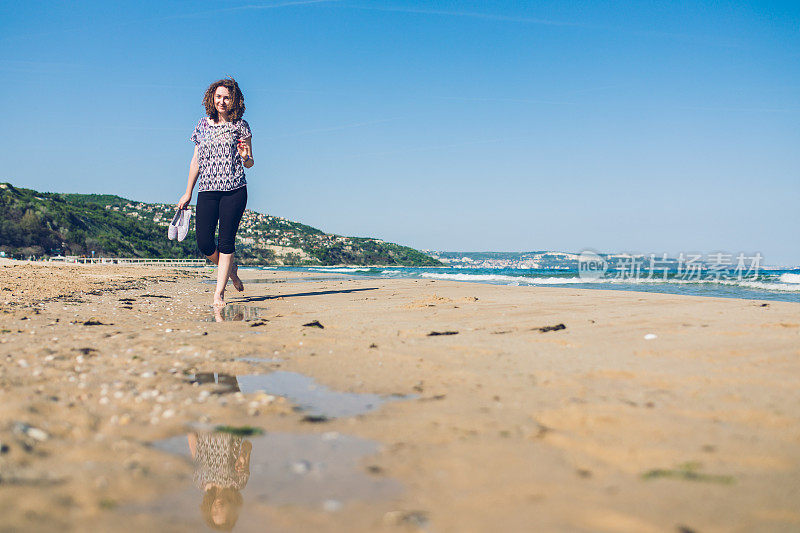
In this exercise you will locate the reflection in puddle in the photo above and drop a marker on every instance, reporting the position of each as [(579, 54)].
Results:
[(235, 312), (310, 397), (227, 383), (320, 471), (222, 469)]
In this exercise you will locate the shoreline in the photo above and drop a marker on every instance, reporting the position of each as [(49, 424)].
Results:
[(706, 289), (677, 287), (500, 425)]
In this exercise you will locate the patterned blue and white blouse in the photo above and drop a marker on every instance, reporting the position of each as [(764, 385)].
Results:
[(220, 164)]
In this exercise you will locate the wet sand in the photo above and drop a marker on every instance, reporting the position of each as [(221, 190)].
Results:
[(501, 422)]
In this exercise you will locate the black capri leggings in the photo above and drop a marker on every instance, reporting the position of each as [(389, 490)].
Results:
[(226, 207)]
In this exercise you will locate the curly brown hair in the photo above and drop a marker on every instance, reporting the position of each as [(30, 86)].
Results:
[(237, 107), (231, 503)]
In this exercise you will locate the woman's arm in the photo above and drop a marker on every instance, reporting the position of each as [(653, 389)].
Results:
[(194, 170), (192, 437), (245, 147)]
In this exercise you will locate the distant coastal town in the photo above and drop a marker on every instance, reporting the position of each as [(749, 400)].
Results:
[(541, 259)]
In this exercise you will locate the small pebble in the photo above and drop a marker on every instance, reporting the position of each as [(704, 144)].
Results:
[(301, 467), (30, 431)]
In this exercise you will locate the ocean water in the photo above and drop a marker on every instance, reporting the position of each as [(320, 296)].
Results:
[(777, 285)]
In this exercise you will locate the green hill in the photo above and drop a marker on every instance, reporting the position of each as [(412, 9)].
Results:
[(36, 223), (95, 199)]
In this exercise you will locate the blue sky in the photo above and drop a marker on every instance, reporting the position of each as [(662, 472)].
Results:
[(617, 126)]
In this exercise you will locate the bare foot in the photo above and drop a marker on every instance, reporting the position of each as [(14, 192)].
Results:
[(219, 299), (234, 275)]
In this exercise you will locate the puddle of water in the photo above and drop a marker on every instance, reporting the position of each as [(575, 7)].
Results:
[(234, 477), (236, 313), (308, 396), (226, 382)]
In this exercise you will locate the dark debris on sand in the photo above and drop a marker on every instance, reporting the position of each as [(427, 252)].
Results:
[(545, 329), (315, 419), (92, 322), (240, 431)]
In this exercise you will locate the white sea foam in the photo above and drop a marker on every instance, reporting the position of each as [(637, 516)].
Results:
[(520, 280), (789, 278), (784, 287), (340, 269), (500, 277)]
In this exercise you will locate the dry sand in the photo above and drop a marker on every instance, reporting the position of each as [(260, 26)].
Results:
[(503, 427)]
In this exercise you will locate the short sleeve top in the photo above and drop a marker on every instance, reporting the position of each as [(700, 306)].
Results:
[(220, 164), (215, 461)]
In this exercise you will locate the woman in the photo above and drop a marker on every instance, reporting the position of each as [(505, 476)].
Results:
[(223, 149)]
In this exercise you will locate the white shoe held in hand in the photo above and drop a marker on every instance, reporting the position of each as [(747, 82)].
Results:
[(172, 232), (183, 223)]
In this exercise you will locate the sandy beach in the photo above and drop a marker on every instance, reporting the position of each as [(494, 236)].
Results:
[(436, 406)]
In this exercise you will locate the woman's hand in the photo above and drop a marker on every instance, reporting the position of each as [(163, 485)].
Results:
[(245, 148), (184, 201)]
